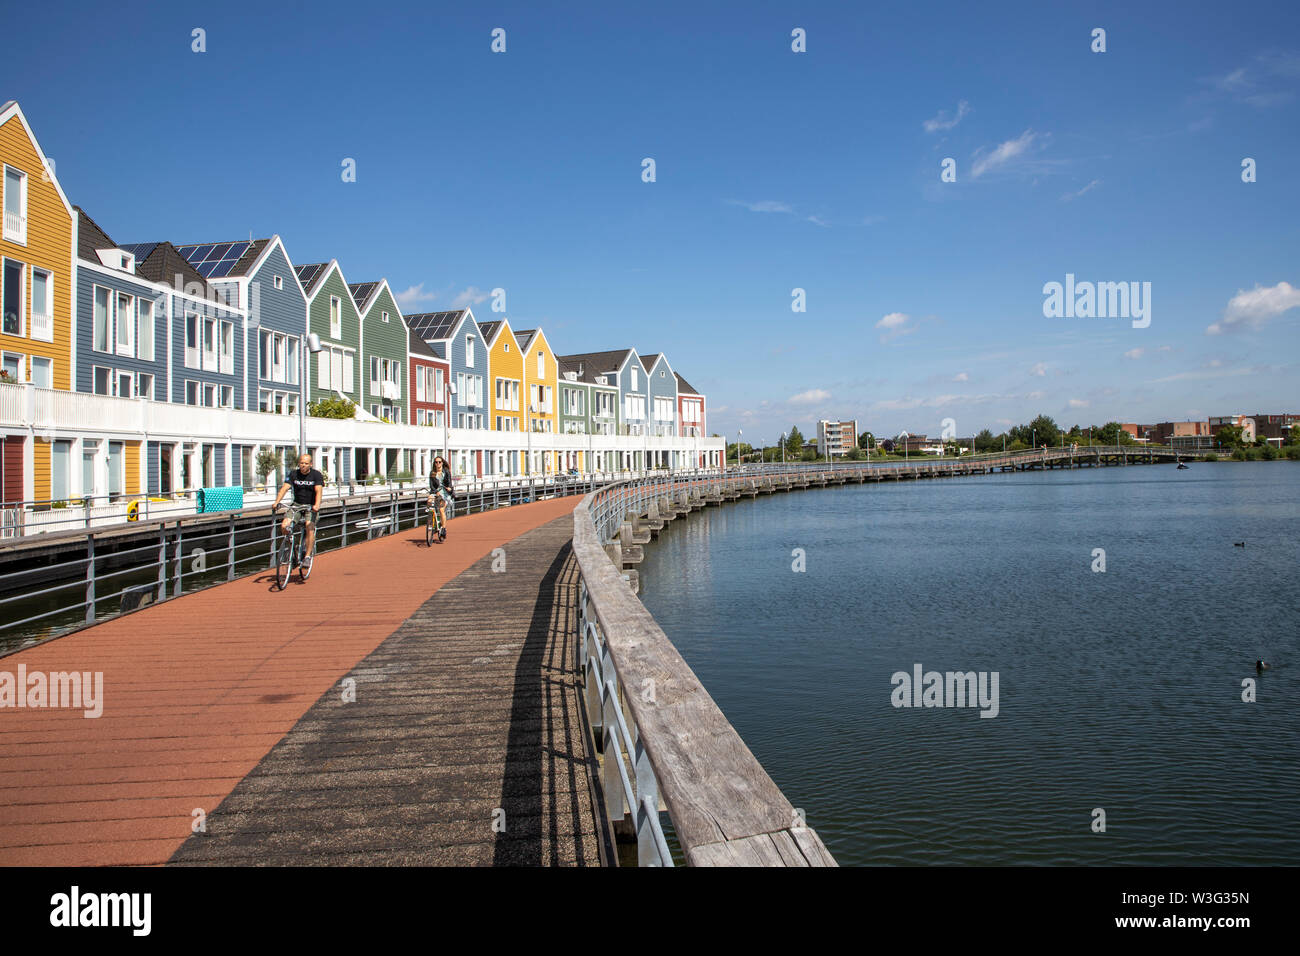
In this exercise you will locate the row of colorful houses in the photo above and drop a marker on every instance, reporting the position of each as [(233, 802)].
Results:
[(244, 339)]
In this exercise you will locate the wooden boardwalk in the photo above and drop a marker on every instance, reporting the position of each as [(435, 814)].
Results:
[(230, 701)]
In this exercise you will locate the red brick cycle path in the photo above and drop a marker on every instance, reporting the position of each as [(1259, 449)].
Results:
[(198, 690)]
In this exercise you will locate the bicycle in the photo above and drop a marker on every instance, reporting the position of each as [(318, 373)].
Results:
[(289, 554), (434, 525)]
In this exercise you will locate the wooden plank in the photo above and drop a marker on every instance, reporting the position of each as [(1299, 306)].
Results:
[(715, 790)]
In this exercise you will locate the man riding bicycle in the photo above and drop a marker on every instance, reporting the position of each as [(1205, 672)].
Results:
[(308, 486), (440, 490)]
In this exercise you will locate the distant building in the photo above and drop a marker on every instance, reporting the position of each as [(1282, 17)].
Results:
[(836, 438), (1190, 436), (1276, 429), (1140, 433), (1247, 425)]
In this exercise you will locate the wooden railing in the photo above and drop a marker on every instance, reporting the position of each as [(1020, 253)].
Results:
[(663, 736)]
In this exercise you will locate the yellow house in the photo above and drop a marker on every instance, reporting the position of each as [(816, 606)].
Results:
[(507, 388), (541, 378), (36, 290), (37, 247)]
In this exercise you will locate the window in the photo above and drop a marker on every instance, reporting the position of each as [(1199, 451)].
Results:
[(278, 357), (469, 351), (60, 463), (15, 205), (210, 395), (227, 346), (437, 385), (291, 364), (635, 407), (541, 365), (634, 381), (125, 324), (125, 385), (336, 317), (191, 340), (102, 380), (42, 305), (11, 363), (506, 347), (264, 357), (13, 294), (385, 316), (191, 393), (145, 330), (661, 373), (100, 320), (227, 396), (144, 385), (507, 395), (210, 344), (42, 372), (278, 282)]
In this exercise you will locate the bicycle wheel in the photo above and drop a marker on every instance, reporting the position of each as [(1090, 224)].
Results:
[(305, 563), (428, 533), (283, 561)]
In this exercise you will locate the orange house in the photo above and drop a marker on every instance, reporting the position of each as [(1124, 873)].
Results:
[(541, 378), (506, 390)]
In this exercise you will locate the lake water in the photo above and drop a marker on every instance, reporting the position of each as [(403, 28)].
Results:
[(1118, 690)]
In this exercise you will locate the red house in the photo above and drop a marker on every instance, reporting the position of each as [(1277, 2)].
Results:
[(691, 422), (429, 377)]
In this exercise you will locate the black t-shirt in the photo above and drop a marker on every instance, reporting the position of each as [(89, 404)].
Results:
[(304, 486)]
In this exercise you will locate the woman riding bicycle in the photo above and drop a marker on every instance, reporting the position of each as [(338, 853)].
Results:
[(440, 490)]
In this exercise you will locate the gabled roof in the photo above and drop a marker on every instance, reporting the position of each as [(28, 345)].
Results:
[(649, 361), (363, 292), (435, 326), (600, 363), (91, 238), (11, 109), (417, 346), (490, 330), (685, 386), (163, 263), (224, 260), (312, 275)]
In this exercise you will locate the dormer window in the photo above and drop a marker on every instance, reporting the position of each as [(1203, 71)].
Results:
[(385, 316), (116, 259), (600, 380), (278, 282)]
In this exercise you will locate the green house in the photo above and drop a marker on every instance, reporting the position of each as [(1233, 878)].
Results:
[(335, 371), (383, 344)]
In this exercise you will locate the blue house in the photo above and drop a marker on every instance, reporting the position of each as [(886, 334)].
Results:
[(121, 325), (661, 383), (256, 275), (624, 368), (456, 337)]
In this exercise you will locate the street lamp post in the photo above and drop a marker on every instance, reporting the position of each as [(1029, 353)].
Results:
[(448, 390), (311, 343), (904, 436), (782, 448), (739, 432)]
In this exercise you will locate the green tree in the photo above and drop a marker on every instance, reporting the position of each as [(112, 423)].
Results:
[(866, 440), (855, 454), (794, 441), (267, 462), (985, 441), (1229, 436)]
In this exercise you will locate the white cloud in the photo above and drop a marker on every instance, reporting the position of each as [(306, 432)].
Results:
[(1211, 373), (1035, 396), (816, 220), (1254, 309), (1134, 353), (810, 397), (1039, 370), (766, 205), (1003, 154), (946, 121), (961, 377), (472, 295), (1075, 195), (895, 324), (1078, 403), (412, 296)]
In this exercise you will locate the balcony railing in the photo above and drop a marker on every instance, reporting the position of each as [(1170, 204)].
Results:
[(15, 227), (42, 327)]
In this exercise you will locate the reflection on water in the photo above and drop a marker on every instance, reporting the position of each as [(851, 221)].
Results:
[(1119, 690)]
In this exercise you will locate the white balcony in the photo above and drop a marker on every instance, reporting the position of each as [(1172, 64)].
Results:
[(390, 390), (15, 227), (42, 327)]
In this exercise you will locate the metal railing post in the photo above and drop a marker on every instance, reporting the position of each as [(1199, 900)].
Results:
[(230, 554), (162, 561), (90, 579)]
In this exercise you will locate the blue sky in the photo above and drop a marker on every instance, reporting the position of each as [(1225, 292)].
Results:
[(775, 170)]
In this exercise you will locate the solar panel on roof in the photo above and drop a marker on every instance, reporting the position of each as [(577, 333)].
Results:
[(140, 250), (215, 259)]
